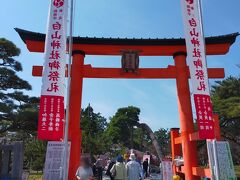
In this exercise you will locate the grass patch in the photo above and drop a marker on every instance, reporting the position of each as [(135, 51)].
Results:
[(35, 176)]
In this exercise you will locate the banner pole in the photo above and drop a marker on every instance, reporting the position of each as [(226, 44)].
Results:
[(70, 44), (202, 29)]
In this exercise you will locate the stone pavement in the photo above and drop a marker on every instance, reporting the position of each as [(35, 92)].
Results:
[(106, 177)]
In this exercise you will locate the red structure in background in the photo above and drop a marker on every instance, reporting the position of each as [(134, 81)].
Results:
[(177, 143), (146, 47)]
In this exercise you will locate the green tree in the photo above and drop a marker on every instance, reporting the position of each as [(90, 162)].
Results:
[(142, 140), (139, 136), (163, 138), (12, 98), (226, 102), (34, 154), (121, 126), (93, 126)]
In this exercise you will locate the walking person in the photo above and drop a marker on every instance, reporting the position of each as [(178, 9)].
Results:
[(94, 169), (134, 169), (84, 172), (145, 167), (108, 172), (99, 167), (118, 170)]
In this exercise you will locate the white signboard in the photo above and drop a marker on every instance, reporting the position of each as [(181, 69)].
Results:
[(223, 157), (51, 113), (25, 175), (195, 46), (167, 170), (196, 57), (55, 49), (54, 160)]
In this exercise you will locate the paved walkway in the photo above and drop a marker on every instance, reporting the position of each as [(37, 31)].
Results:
[(107, 178)]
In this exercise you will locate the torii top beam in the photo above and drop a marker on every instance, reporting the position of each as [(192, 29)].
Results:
[(217, 45)]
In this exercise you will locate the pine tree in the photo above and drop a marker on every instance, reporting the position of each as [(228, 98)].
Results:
[(12, 99)]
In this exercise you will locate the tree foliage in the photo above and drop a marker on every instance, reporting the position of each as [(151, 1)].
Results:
[(34, 152), (9, 66), (226, 102), (140, 139), (163, 138), (17, 110), (93, 126), (121, 124)]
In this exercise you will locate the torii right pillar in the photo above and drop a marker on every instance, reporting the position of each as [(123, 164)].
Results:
[(189, 148)]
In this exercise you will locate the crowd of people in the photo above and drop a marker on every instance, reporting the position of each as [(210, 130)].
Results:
[(117, 169)]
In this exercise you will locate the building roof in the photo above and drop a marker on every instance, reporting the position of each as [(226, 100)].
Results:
[(223, 39)]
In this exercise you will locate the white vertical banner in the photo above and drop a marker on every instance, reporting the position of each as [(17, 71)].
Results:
[(51, 114), (196, 57)]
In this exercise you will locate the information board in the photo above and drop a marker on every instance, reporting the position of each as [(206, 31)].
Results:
[(224, 161), (167, 170), (54, 160)]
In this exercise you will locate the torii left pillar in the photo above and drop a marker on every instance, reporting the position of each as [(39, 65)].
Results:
[(75, 111), (189, 148)]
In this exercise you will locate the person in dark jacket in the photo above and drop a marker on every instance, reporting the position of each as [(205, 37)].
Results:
[(99, 167), (108, 173), (145, 167), (95, 173)]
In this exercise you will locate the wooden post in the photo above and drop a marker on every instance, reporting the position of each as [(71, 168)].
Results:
[(75, 111), (189, 148)]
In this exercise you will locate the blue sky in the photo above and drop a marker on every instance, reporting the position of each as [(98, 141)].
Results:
[(125, 18)]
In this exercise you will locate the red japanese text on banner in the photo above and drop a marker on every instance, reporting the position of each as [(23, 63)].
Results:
[(198, 69), (51, 113)]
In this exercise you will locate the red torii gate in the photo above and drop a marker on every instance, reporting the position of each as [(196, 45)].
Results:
[(82, 46)]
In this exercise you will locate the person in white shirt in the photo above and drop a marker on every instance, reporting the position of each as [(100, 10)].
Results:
[(134, 169), (84, 172)]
